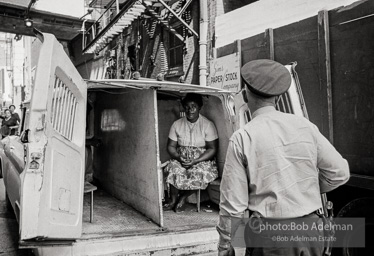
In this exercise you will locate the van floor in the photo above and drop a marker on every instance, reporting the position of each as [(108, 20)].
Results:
[(112, 217)]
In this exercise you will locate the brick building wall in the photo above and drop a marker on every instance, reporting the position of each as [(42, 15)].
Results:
[(191, 57)]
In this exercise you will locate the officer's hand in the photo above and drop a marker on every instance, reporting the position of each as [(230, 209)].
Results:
[(228, 252)]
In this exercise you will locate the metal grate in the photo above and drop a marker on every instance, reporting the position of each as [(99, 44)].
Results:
[(64, 107), (284, 105)]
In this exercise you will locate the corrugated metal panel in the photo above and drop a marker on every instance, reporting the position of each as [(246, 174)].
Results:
[(255, 18)]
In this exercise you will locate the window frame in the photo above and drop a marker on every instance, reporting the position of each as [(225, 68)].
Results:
[(174, 48)]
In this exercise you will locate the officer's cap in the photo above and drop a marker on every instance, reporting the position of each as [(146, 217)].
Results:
[(266, 77)]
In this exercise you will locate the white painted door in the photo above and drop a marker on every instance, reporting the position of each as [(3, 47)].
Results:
[(53, 178), (290, 102), (243, 114)]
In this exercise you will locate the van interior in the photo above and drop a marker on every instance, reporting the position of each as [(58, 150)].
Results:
[(127, 132)]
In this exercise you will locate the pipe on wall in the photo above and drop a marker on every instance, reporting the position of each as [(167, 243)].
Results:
[(203, 42)]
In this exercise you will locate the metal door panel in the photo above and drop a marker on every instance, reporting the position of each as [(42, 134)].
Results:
[(53, 178)]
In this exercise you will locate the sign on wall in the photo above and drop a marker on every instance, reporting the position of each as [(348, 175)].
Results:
[(225, 72)]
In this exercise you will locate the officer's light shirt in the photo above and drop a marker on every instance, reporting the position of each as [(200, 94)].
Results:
[(277, 165)]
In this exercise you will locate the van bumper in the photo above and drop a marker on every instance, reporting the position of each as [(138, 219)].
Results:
[(196, 242)]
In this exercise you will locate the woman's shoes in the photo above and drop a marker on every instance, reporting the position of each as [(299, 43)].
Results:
[(168, 206), (181, 205), (177, 207)]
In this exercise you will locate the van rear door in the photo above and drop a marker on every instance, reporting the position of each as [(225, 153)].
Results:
[(291, 101), (53, 179)]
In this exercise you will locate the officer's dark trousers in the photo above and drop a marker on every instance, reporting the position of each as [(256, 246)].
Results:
[(300, 251)]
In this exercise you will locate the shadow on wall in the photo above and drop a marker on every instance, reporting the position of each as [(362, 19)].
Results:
[(193, 65), (230, 5)]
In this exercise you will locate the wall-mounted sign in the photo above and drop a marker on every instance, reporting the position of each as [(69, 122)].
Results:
[(175, 71), (225, 72)]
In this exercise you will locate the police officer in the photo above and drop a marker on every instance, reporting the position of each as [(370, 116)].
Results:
[(278, 165)]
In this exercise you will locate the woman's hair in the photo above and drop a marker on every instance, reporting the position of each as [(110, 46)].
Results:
[(12, 106), (7, 110), (197, 98)]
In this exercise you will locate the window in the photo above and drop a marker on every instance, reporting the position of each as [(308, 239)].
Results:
[(175, 49), (64, 107), (111, 120), (131, 55)]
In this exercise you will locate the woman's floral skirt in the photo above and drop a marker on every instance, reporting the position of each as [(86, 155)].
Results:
[(196, 177)]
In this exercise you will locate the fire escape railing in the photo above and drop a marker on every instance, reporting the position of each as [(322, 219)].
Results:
[(113, 21), (110, 24)]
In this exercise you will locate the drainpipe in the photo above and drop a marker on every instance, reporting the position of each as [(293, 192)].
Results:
[(83, 30), (203, 42)]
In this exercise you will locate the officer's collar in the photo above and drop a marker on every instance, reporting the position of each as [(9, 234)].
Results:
[(263, 110)]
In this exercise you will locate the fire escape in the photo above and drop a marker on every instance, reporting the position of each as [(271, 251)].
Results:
[(120, 14)]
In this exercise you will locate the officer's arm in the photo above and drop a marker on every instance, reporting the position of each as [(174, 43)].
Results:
[(234, 192), (334, 169)]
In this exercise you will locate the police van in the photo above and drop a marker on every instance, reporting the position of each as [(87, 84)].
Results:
[(118, 128)]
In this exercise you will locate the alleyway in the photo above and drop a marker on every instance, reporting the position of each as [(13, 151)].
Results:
[(8, 229)]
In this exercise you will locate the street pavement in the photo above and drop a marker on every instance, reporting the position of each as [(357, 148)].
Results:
[(8, 229)]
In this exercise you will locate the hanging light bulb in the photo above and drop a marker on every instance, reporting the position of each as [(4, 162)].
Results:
[(28, 22)]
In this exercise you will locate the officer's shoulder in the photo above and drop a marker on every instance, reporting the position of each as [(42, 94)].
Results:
[(239, 134), (294, 117)]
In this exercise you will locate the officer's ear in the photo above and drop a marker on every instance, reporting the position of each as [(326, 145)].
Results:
[(244, 94)]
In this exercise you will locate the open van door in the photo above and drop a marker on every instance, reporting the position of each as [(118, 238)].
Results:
[(243, 114), (53, 179), (290, 102)]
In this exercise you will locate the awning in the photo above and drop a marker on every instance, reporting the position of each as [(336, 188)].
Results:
[(152, 84)]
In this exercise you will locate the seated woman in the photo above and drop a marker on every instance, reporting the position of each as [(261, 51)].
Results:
[(192, 144), (8, 121)]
